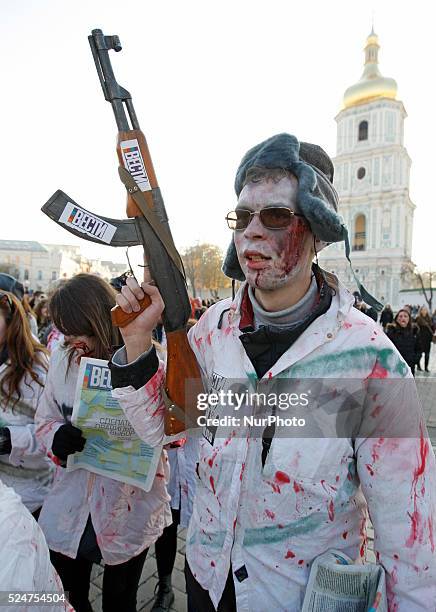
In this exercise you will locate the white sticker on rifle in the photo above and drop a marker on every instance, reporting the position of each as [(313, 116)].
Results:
[(134, 163), (84, 222)]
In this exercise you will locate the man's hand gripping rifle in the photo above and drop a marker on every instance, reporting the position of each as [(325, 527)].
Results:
[(147, 224)]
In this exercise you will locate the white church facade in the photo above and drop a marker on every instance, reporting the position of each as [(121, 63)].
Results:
[(372, 169)]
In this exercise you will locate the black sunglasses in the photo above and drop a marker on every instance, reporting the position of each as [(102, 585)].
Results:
[(272, 217)]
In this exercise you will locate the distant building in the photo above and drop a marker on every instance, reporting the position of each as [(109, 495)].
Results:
[(38, 266), (107, 269), (372, 169)]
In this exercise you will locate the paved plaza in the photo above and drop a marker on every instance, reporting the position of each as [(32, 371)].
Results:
[(148, 581), (426, 384)]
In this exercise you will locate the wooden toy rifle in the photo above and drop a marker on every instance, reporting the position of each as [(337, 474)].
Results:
[(147, 224)]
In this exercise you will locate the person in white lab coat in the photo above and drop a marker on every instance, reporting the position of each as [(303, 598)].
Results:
[(24, 465), (267, 505), (88, 517), (25, 566)]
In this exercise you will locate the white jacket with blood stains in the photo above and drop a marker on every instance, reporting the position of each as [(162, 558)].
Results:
[(268, 524), (26, 469), (125, 518), (25, 561)]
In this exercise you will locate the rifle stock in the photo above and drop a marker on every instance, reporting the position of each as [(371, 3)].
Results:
[(183, 380)]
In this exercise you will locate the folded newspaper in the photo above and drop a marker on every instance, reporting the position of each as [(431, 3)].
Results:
[(336, 584), (112, 447)]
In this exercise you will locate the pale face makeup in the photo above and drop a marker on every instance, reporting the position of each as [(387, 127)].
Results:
[(273, 259)]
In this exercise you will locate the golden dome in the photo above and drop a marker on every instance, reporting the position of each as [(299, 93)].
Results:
[(372, 83)]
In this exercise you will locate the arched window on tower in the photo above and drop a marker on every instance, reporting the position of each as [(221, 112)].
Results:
[(359, 237), (363, 130)]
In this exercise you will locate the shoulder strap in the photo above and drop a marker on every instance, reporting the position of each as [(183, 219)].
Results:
[(151, 218)]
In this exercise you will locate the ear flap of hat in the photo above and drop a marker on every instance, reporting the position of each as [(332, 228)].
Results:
[(317, 199), (231, 267)]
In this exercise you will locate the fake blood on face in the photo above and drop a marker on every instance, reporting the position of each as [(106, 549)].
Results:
[(293, 244), (287, 256), (270, 258)]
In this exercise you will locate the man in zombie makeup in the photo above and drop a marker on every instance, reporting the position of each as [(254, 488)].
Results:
[(268, 503)]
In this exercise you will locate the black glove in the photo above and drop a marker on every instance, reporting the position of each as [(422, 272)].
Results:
[(67, 440), (5, 441)]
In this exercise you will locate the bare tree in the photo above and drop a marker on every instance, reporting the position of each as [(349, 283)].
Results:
[(203, 268), (424, 281), (427, 278)]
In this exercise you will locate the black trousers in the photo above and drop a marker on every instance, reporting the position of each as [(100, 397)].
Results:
[(166, 547), (120, 582), (426, 350), (199, 600)]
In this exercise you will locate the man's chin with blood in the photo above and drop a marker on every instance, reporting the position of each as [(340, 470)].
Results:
[(282, 261)]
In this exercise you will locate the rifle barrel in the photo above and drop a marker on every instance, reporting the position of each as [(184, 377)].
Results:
[(113, 92)]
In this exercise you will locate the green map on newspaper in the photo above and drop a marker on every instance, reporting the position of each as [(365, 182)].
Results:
[(112, 447)]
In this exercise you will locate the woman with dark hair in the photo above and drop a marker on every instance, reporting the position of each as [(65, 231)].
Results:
[(24, 465), (386, 316), (31, 316), (87, 517), (43, 320), (405, 337), (426, 329)]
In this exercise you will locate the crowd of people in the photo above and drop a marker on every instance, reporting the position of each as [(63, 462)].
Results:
[(259, 508), (412, 330), (80, 514)]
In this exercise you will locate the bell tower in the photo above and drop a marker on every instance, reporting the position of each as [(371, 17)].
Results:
[(372, 170)]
